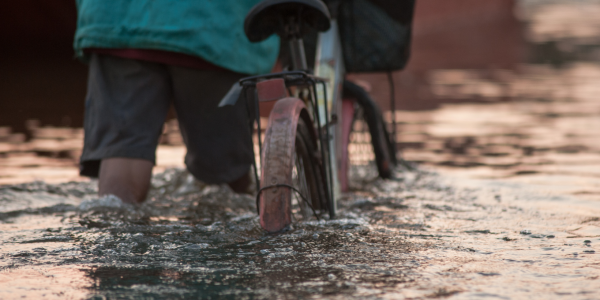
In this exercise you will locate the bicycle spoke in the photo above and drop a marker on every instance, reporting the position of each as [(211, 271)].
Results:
[(299, 207)]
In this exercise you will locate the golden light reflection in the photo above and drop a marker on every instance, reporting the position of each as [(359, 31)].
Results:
[(41, 282)]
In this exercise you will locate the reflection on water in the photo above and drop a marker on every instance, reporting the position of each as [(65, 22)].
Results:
[(556, 115), (535, 124), (55, 282)]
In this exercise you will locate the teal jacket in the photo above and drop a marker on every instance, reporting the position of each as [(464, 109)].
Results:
[(210, 29)]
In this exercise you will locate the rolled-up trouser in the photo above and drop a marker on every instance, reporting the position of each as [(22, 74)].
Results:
[(127, 103)]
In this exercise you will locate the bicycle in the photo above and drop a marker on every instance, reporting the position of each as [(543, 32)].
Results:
[(304, 158)]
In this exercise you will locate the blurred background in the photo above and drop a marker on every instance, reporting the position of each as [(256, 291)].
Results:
[(494, 89)]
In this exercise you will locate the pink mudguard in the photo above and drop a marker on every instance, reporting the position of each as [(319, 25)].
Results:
[(277, 164)]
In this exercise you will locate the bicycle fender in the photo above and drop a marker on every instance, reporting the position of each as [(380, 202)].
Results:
[(277, 164)]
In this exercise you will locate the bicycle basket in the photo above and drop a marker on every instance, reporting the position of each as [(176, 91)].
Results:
[(375, 34)]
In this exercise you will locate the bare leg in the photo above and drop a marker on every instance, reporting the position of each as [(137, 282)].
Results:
[(126, 178)]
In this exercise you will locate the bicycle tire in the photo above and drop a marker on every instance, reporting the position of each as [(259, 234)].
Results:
[(306, 159), (384, 150), (290, 159)]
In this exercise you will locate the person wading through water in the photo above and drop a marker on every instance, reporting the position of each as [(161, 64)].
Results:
[(144, 55)]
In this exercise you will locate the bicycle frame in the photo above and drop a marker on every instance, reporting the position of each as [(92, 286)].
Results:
[(329, 64)]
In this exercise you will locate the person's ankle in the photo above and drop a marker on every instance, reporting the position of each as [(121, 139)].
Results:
[(241, 185), (126, 197)]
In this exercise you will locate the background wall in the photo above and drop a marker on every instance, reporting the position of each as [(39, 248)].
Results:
[(39, 78)]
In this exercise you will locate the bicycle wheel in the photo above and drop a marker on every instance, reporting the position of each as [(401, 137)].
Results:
[(307, 177), (293, 186), (385, 156)]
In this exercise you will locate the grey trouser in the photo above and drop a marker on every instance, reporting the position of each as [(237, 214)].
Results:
[(127, 103)]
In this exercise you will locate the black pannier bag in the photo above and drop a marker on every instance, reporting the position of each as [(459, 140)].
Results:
[(375, 34)]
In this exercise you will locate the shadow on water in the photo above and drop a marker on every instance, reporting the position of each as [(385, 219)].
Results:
[(236, 260), (168, 283), (231, 271)]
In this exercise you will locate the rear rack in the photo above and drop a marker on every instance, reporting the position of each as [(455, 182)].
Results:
[(294, 78)]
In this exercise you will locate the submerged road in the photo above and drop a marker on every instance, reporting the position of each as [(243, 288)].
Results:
[(422, 236)]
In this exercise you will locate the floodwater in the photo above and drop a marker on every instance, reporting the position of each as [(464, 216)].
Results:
[(503, 204), (415, 237)]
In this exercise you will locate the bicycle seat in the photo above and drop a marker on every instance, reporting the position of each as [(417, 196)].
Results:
[(268, 17)]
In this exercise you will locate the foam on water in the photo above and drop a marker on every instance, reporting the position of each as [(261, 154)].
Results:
[(107, 202)]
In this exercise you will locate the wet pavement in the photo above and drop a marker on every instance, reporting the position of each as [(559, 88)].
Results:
[(504, 202)]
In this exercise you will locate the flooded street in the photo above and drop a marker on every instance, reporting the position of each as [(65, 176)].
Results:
[(416, 237), (503, 203)]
